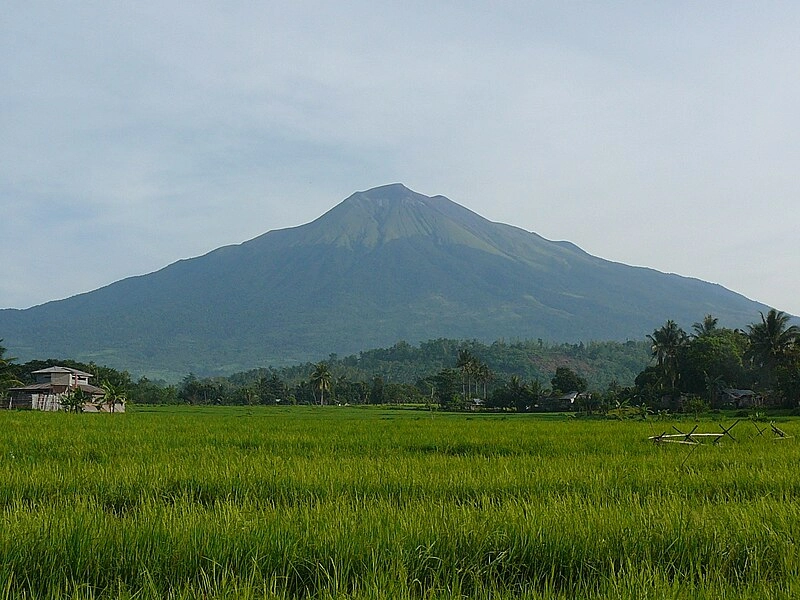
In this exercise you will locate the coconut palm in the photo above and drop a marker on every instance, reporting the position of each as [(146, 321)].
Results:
[(771, 341), (321, 380), (666, 344), (706, 327), (714, 386), (484, 375), (7, 378), (113, 395), (466, 364)]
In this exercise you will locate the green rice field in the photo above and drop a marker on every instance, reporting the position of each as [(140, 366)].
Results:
[(341, 502)]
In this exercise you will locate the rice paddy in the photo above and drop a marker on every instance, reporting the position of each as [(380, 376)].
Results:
[(341, 502)]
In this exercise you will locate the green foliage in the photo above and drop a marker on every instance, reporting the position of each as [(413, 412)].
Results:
[(787, 378), (8, 376), (717, 356), (445, 384), (708, 326), (594, 404), (74, 400), (516, 394), (321, 380), (566, 380), (405, 374), (695, 371), (272, 389), (666, 346), (377, 391), (113, 395), (772, 344), (705, 365), (695, 405), (146, 392), (598, 362), (143, 391), (202, 391)]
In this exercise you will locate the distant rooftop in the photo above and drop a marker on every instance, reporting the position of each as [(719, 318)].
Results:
[(57, 369)]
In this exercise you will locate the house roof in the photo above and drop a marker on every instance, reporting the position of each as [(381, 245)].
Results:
[(44, 387), (92, 389), (58, 369), (738, 393), (36, 387)]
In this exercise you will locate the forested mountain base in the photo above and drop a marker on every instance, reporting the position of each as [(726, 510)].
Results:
[(599, 363), (398, 374)]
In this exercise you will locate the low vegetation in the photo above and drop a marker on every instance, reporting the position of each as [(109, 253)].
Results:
[(271, 502)]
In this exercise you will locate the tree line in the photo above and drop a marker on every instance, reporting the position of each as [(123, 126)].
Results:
[(764, 358), (402, 373), (671, 368)]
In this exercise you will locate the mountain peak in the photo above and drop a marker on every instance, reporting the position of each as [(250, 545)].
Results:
[(386, 196), (392, 191), (388, 213)]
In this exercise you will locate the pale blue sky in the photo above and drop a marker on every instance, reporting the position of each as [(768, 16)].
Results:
[(134, 134)]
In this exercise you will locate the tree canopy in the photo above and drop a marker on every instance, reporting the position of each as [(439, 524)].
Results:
[(503, 375)]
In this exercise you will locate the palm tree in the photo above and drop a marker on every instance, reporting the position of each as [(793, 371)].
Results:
[(341, 389), (113, 395), (7, 378), (714, 386), (771, 341), (321, 380), (466, 364), (706, 327), (666, 344), (518, 393), (482, 375), (74, 400)]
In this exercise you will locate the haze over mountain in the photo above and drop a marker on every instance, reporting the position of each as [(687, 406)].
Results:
[(383, 265)]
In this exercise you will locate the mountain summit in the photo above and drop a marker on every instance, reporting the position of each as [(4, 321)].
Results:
[(383, 265), (392, 212)]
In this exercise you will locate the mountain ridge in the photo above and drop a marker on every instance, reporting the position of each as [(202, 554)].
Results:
[(383, 265)]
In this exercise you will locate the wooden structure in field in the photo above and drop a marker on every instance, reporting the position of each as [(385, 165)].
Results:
[(694, 437), (777, 433)]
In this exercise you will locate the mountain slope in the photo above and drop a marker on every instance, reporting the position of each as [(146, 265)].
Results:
[(383, 265)]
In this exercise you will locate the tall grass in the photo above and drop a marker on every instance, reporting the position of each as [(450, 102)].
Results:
[(355, 503)]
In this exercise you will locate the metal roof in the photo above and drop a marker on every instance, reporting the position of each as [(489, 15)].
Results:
[(42, 387), (57, 369), (31, 388)]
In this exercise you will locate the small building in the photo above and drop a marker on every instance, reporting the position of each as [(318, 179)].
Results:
[(50, 387), (740, 398), (560, 402), (476, 404)]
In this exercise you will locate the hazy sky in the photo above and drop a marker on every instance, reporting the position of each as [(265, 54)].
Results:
[(134, 134)]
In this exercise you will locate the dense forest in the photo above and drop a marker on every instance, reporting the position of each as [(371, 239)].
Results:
[(710, 367)]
